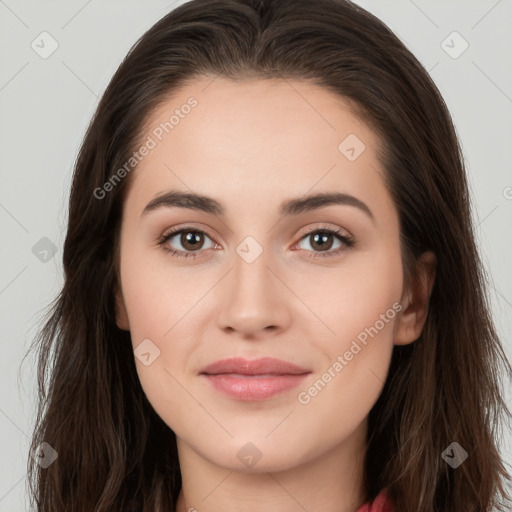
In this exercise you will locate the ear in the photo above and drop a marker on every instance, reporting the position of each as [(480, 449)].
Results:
[(121, 313), (415, 301)]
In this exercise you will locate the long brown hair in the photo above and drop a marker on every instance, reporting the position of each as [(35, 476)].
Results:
[(114, 452)]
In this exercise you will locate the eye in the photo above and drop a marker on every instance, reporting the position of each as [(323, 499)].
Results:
[(190, 239), (321, 239)]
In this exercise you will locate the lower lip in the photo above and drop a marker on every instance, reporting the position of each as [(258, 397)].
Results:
[(254, 387)]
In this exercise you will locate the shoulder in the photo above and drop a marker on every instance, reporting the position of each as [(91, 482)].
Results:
[(382, 503)]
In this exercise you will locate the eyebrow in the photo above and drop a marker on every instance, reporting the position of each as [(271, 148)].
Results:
[(295, 206)]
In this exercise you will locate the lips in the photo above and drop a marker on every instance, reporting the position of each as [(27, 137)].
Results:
[(251, 380), (262, 366)]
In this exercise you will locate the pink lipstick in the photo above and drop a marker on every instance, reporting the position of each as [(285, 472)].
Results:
[(252, 380)]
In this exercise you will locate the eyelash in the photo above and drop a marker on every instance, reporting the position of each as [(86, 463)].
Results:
[(348, 241)]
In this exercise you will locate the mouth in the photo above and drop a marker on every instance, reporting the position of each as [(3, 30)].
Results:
[(253, 387), (253, 380)]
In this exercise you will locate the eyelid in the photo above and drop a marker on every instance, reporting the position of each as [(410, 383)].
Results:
[(177, 229), (323, 227), (303, 232)]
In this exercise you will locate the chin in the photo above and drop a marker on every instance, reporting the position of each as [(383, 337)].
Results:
[(254, 454)]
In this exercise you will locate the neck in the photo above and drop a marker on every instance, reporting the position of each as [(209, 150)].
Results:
[(331, 482)]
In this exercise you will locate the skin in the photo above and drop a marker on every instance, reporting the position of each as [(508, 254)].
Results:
[(252, 144)]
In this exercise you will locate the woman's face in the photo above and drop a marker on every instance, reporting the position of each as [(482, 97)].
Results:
[(267, 280)]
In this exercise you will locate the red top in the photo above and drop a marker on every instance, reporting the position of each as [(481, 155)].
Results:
[(382, 503)]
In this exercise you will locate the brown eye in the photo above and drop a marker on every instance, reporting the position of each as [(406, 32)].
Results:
[(322, 241), (191, 240), (185, 242)]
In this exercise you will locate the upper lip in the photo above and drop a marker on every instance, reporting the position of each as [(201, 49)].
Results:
[(262, 366)]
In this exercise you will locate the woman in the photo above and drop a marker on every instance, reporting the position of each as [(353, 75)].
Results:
[(208, 355)]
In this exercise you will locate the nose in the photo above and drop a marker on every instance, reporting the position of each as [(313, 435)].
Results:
[(253, 298)]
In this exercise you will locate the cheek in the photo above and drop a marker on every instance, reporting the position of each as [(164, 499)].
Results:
[(360, 305), (356, 295), (156, 295), (158, 304)]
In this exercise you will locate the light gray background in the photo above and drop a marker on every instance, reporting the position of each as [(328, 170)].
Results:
[(46, 104)]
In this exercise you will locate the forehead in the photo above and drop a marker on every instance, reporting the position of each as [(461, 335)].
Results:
[(268, 111), (257, 140)]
